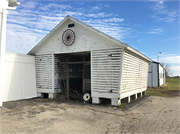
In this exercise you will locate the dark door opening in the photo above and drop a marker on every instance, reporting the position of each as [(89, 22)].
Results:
[(73, 75)]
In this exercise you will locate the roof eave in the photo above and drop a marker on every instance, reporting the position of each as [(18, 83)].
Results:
[(158, 63), (99, 32), (138, 53), (93, 29)]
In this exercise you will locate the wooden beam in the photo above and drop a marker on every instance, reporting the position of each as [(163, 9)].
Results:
[(67, 80), (79, 62), (83, 82), (52, 66)]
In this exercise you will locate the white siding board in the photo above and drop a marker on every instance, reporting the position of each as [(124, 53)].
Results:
[(105, 78), (161, 72), (44, 71), (134, 74)]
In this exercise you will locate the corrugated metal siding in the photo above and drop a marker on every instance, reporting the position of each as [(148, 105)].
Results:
[(106, 70), (150, 75), (153, 78), (44, 71), (134, 74)]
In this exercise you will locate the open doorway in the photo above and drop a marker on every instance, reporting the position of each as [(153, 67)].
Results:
[(72, 76)]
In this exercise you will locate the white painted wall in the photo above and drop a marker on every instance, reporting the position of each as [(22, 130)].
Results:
[(106, 72), (161, 75), (134, 74), (85, 40), (20, 79), (44, 73)]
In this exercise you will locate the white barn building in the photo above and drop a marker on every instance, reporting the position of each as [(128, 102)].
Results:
[(156, 74), (79, 54)]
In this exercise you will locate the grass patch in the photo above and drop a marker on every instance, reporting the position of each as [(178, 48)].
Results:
[(173, 83), (123, 104), (171, 90)]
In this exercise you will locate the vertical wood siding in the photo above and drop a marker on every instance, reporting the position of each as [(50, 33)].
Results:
[(43, 71), (134, 74), (106, 70)]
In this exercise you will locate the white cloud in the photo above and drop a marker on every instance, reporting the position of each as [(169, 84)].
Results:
[(113, 20), (110, 27), (96, 8), (28, 5), (171, 59), (139, 40), (156, 31), (106, 5), (162, 14), (98, 15), (172, 39), (175, 70), (54, 6), (20, 39)]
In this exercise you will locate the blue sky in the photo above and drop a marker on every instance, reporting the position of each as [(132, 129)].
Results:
[(148, 26)]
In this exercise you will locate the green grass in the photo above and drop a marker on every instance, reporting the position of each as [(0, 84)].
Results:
[(173, 83), (171, 90)]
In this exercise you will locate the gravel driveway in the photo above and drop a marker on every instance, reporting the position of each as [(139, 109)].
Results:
[(148, 114)]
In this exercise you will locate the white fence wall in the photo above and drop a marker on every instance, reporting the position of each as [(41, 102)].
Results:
[(20, 79)]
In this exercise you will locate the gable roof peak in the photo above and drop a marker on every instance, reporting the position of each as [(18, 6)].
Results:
[(90, 28)]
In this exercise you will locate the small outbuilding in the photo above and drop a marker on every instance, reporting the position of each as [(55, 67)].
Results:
[(156, 74), (75, 57)]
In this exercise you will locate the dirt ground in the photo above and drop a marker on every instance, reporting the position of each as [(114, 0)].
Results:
[(149, 114)]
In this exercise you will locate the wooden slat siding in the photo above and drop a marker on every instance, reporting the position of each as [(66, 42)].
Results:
[(134, 74), (43, 71), (57, 60), (87, 84), (106, 70)]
